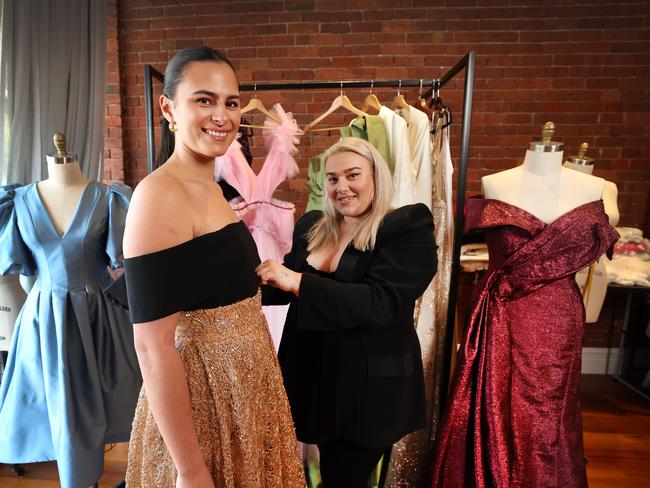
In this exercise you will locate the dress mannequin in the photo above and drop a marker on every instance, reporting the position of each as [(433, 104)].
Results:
[(63, 188), (513, 411), (72, 349), (541, 185), (585, 164), (593, 280)]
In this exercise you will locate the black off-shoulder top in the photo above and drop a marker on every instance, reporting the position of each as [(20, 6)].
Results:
[(209, 271)]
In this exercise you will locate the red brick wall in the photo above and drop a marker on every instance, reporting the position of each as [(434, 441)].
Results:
[(583, 64), (113, 141)]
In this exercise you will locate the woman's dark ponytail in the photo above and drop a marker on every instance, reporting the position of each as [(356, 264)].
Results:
[(173, 78), (166, 143)]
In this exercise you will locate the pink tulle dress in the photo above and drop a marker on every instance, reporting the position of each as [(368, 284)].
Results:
[(269, 220)]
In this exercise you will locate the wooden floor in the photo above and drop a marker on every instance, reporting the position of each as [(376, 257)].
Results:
[(616, 431), (44, 475), (616, 424)]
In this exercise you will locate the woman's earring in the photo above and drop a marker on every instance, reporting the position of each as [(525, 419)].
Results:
[(172, 127)]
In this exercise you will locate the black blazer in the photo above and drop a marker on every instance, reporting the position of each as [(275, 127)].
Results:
[(349, 354)]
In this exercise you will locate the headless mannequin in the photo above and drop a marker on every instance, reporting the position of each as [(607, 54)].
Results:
[(541, 185), (60, 194), (545, 188), (593, 279), (585, 165), (61, 191)]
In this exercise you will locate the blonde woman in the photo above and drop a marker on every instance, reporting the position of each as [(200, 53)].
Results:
[(349, 354)]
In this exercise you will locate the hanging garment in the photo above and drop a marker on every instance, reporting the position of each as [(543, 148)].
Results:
[(513, 419), (419, 141), (398, 141), (243, 137), (239, 407), (369, 128), (316, 182), (411, 456), (269, 220), (72, 378)]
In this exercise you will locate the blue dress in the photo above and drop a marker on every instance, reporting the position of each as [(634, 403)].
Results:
[(72, 379)]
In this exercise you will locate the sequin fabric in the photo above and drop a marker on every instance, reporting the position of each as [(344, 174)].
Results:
[(411, 457), (239, 406), (513, 418)]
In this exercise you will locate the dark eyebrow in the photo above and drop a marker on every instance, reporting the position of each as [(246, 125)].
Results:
[(346, 171), (205, 92), (214, 95)]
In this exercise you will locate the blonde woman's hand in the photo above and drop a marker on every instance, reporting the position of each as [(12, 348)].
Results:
[(272, 273), (198, 479)]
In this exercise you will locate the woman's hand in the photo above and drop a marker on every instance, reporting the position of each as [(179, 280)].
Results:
[(273, 273), (196, 479)]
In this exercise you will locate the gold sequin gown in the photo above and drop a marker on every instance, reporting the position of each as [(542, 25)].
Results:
[(411, 456), (239, 407)]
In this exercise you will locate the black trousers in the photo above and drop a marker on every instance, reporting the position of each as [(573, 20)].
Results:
[(347, 465)]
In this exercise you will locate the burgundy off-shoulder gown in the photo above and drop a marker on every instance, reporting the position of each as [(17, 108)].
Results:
[(513, 418)]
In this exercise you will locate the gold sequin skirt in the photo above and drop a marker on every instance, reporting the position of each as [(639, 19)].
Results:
[(239, 406)]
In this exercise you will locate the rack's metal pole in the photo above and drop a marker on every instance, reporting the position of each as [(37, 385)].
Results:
[(312, 85), (459, 223)]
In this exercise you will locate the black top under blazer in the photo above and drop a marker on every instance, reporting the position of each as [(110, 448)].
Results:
[(349, 354)]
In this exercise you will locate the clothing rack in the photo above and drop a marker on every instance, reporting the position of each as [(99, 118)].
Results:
[(467, 64)]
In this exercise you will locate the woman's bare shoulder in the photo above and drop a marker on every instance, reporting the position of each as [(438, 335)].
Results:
[(159, 215)]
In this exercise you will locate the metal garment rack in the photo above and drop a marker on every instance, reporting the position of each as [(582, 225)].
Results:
[(467, 64)]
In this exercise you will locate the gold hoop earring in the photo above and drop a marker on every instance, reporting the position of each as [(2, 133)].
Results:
[(172, 127)]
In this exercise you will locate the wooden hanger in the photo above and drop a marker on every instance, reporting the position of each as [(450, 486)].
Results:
[(423, 105), (257, 104), (342, 101), (399, 101), (371, 101), (423, 102)]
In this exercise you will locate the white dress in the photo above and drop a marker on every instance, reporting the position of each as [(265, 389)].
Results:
[(398, 141), (419, 139)]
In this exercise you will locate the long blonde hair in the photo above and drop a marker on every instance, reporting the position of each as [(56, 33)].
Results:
[(325, 232)]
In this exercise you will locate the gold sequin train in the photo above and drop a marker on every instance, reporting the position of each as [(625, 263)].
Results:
[(239, 406)]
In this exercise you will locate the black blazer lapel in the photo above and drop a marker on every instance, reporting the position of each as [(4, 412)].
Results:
[(346, 270), (301, 257)]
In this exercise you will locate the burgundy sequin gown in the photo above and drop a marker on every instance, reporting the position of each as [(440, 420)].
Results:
[(513, 418)]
